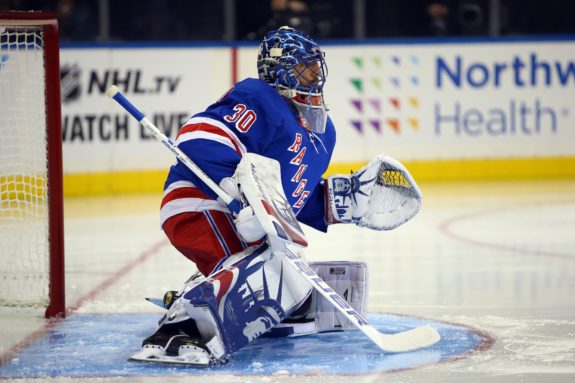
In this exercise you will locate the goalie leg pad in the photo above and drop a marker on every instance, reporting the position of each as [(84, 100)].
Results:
[(349, 280), (241, 301)]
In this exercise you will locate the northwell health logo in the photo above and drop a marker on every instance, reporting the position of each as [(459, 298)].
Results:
[(521, 93), (385, 93), (477, 94)]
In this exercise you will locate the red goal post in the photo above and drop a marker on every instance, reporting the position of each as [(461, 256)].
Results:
[(32, 227)]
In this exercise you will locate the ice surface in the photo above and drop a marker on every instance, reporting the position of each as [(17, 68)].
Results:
[(497, 257), (85, 345)]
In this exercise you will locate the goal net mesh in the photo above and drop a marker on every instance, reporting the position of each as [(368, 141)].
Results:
[(24, 239)]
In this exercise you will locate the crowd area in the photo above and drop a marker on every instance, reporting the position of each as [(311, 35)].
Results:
[(181, 20)]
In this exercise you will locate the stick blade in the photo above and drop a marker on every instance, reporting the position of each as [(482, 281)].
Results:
[(414, 339)]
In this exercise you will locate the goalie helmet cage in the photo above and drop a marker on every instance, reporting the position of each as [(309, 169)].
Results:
[(32, 224)]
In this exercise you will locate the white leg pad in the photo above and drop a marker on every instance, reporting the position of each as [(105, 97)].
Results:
[(349, 280)]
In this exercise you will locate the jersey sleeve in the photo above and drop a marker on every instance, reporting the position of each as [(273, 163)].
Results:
[(211, 146), (312, 214), (217, 138)]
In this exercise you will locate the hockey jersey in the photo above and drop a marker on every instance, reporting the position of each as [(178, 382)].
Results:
[(251, 117)]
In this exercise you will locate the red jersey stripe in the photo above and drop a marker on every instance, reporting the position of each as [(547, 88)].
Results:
[(204, 127), (185, 192)]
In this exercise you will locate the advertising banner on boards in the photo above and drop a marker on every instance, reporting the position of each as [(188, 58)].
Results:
[(454, 101), (416, 102), (167, 84), (450, 101)]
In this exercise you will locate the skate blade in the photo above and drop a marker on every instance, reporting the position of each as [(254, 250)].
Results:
[(157, 302), (198, 361)]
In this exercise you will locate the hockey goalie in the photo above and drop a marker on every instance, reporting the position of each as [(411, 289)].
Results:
[(267, 142)]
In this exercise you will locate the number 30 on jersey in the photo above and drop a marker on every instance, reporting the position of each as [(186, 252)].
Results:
[(243, 118)]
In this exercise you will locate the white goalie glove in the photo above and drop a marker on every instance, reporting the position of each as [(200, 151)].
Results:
[(381, 196), (248, 227)]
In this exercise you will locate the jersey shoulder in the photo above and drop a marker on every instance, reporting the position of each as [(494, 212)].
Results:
[(329, 127), (329, 136), (258, 94), (253, 111)]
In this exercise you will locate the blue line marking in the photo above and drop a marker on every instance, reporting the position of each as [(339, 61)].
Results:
[(91, 345)]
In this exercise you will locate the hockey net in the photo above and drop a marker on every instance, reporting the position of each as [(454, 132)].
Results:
[(31, 223)]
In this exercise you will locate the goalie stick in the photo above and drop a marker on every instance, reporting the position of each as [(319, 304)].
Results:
[(413, 339)]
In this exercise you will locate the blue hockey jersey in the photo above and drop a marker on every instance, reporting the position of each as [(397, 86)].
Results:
[(251, 117)]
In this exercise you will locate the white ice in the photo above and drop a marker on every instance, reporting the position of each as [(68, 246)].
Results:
[(499, 257)]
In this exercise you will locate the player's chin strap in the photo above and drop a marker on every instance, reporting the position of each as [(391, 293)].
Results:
[(381, 196), (281, 220)]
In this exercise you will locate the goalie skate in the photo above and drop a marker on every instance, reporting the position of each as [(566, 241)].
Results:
[(178, 349)]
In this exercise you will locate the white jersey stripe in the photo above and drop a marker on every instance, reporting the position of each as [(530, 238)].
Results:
[(184, 205), (178, 185)]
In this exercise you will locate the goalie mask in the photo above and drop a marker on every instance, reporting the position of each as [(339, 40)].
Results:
[(291, 62)]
